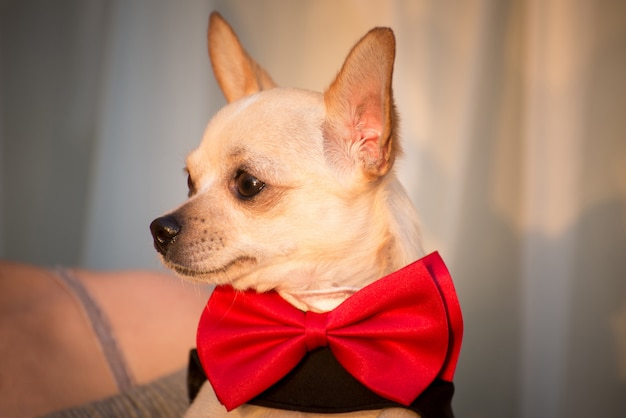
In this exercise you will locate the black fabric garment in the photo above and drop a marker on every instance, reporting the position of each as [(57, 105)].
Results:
[(195, 375), (319, 384)]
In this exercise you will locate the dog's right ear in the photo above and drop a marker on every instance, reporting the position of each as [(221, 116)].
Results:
[(237, 74), (360, 128)]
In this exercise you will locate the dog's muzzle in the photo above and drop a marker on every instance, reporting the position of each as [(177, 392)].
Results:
[(164, 232)]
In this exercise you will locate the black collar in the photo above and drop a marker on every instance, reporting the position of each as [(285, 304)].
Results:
[(319, 384)]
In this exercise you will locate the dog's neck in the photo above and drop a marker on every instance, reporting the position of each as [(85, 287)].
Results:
[(319, 300), (399, 246)]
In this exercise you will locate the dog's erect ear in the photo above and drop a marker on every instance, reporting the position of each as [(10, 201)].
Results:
[(360, 119), (237, 74)]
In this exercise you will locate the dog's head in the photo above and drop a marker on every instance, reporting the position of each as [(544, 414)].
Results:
[(293, 190)]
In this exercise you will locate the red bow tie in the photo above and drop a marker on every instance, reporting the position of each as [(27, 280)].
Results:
[(395, 336)]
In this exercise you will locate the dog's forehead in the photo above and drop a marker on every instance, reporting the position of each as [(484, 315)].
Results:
[(261, 125)]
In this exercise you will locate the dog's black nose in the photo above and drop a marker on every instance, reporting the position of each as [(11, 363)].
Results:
[(164, 231)]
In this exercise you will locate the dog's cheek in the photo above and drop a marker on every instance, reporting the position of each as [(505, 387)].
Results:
[(268, 204), (327, 221)]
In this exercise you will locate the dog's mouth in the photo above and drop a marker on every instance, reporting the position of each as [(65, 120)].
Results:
[(219, 275)]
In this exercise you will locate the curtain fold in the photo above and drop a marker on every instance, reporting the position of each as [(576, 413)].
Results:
[(513, 127)]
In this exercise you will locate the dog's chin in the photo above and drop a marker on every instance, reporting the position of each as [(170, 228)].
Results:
[(221, 275)]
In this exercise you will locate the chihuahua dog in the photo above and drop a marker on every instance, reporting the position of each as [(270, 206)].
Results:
[(294, 191)]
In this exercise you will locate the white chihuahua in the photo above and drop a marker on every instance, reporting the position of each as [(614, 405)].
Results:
[(293, 191)]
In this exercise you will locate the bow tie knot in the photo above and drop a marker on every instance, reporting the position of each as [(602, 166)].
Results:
[(395, 336), (315, 330)]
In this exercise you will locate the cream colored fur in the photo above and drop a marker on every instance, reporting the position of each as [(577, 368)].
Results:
[(329, 217)]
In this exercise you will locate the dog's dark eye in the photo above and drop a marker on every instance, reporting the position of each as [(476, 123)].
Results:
[(246, 185), (191, 188)]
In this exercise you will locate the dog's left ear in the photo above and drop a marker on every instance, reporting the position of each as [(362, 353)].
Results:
[(360, 113), (237, 74)]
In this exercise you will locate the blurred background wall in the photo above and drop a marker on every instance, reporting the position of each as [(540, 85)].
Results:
[(513, 117)]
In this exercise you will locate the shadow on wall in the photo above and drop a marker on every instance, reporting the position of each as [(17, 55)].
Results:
[(596, 358), (491, 255), (597, 320), (593, 343), (47, 129)]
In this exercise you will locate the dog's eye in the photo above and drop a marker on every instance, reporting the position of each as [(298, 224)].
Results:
[(191, 188), (247, 186)]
